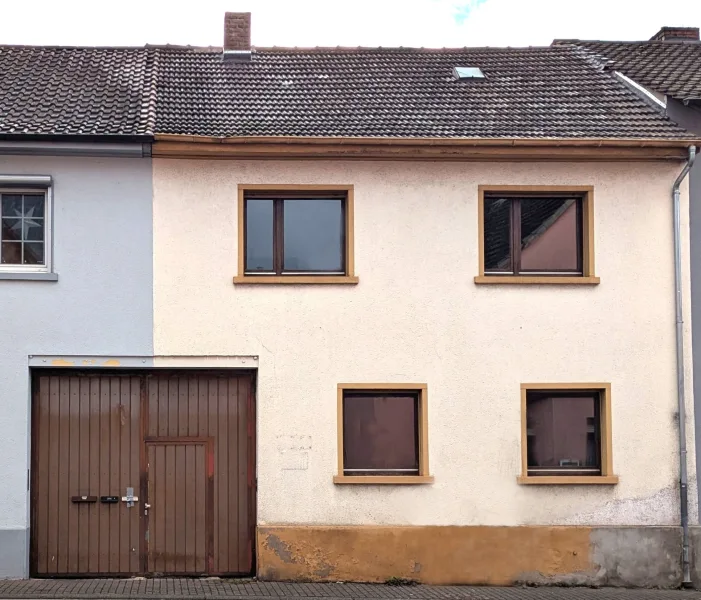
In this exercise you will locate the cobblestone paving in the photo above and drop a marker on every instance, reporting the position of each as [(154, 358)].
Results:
[(155, 589)]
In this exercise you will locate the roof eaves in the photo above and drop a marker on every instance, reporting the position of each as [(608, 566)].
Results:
[(108, 138), (662, 142)]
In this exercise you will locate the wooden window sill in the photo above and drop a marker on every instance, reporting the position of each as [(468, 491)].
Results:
[(295, 279), (565, 480), (383, 479), (536, 279)]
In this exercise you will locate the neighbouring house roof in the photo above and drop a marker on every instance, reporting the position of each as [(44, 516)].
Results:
[(672, 68), (528, 93), (61, 91)]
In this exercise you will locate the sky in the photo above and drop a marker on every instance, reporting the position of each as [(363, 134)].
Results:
[(427, 23)]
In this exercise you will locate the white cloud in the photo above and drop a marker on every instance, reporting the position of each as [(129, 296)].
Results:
[(431, 23)]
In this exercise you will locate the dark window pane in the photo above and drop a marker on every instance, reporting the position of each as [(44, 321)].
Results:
[(259, 235), (12, 229), (11, 205), (33, 253), (380, 434), (34, 230), (34, 205), (497, 234), (313, 232), (549, 234), (563, 433), (11, 253)]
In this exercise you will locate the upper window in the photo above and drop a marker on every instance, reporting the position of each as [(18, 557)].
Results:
[(24, 230), (295, 235), (542, 235), (567, 434), (382, 432)]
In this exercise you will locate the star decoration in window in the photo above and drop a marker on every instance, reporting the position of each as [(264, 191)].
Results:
[(25, 222)]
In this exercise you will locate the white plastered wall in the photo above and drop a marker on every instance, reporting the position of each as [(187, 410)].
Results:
[(417, 316)]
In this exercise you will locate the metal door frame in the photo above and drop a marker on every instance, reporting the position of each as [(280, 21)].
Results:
[(143, 374)]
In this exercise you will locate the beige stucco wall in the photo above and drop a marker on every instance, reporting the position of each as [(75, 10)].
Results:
[(417, 316)]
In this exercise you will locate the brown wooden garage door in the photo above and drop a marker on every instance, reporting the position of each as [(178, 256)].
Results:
[(181, 443)]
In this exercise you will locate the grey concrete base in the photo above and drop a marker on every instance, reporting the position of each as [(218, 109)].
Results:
[(695, 551), (14, 553), (637, 557)]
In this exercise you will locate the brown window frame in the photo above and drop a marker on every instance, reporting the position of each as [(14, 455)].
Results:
[(421, 390), (278, 193), (606, 476), (585, 197)]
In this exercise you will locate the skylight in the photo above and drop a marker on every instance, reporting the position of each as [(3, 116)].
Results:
[(468, 73)]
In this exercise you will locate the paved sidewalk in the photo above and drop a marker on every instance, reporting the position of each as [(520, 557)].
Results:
[(155, 589)]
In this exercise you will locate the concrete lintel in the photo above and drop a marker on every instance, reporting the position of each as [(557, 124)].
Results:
[(44, 181), (142, 362), (208, 362)]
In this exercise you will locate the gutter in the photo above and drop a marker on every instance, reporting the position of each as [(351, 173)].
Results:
[(107, 138), (427, 141), (457, 149), (683, 476), (48, 148)]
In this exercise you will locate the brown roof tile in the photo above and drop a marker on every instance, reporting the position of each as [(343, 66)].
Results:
[(76, 91), (364, 92)]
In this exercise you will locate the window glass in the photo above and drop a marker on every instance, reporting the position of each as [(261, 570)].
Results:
[(259, 235), (313, 235), (497, 234), (563, 433), (34, 205), (33, 253), (380, 434), (11, 253), (11, 205), (22, 229), (549, 237)]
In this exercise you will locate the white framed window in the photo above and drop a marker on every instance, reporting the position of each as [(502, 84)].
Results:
[(25, 224)]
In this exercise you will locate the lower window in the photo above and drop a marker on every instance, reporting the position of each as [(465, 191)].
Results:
[(567, 433), (382, 433)]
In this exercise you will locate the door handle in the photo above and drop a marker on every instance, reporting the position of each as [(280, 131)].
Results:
[(147, 505)]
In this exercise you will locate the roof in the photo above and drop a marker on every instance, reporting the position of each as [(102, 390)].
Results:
[(672, 68), (551, 92), (528, 93), (59, 91)]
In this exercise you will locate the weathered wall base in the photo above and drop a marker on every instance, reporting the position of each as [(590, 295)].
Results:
[(594, 556)]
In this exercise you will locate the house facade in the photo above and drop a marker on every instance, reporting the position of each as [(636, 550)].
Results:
[(345, 315), (411, 319)]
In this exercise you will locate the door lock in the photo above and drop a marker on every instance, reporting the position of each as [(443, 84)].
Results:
[(130, 498)]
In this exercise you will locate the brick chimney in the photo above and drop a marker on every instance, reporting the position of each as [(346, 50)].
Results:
[(676, 34), (237, 36)]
